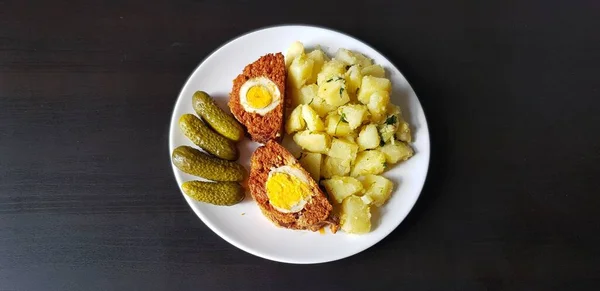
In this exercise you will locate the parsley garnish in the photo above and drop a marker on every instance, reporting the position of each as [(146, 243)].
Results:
[(311, 101), (356, 93), (329, 80), (384, 165), (341, 90), (391, 120)]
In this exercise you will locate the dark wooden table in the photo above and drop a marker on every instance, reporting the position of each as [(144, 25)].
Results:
[(510, 90)]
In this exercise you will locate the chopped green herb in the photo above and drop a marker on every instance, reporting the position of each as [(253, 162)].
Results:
[(356, 93), (384, 165), (348, 67), (391, 120), (341, 90), (329, 80), (311, 101)]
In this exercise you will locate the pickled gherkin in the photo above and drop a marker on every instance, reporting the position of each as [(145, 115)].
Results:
[(194, 162), (203, 136), (220, 121), (217, 193)]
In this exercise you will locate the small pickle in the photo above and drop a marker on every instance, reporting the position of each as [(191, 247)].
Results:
[(217, 193), (194, 162), (201, 135), (220, 121)]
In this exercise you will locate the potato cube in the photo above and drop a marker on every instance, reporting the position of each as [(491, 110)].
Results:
[(321, 107), (330, 69), (356, 215), (342, 149), (333, 91), (377, 105), (366, 199), (295, 49), (368, 138), (335, 126), (316, 142), (368, 162), (377, 187), (373, 70), (310, 116), (311, 162), (340, 187), (370, 85), (295, 121), (353, 81), (319, 57), (334, 167), (300, 71), (350, 58), (351, 137), (403, 132), (305, 95), (396, 151), (354, 114)]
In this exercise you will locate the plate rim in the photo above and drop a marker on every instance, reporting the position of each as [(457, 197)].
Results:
[(252, 251)]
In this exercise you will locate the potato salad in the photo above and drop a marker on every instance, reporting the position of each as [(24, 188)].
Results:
[(341, 116)]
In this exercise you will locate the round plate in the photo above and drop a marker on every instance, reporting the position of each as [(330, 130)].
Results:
[(243, 225)]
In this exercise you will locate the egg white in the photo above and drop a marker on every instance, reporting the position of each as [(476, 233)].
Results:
[(271, 87), (292, 171)]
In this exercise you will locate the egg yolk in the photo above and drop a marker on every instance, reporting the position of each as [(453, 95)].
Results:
[(286, 191), (259, 97)]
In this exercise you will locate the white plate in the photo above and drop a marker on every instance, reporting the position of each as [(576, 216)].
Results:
[(243, 225)]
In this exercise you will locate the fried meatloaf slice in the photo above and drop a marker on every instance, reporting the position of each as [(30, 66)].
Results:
[(317, 212), (270, 126)]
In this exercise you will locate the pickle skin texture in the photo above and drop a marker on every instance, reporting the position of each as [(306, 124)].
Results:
[(194, 162), (217, 193), (216, 118), (207, 139)]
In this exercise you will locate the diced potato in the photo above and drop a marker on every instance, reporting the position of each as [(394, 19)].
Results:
[(366, 199), (300, 71), (370, 85), (397, 151), (310, 116), (377, 187), (377, 105), (334, 167), (295, 121), (353, 81), (333, 91), (349, 58), (403, 132), (330, 69), (351, 137), (368, 162), (342, 149), (321, 107), (340, 187), (356, 215), (305, 95), (354, 114), (316, 142), (335, 126), (295, 49), (373, 70), (319, 57), (368, 138), (311, 162), (387, 131)]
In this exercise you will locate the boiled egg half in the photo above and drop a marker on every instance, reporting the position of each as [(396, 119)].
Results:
[(288, 189), (259, 95)]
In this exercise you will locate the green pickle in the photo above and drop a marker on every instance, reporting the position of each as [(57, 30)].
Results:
[(203, 136), (194, 162), (220, 121), (217, 193)]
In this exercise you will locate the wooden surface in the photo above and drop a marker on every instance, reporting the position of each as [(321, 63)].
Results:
[(510, 90)]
